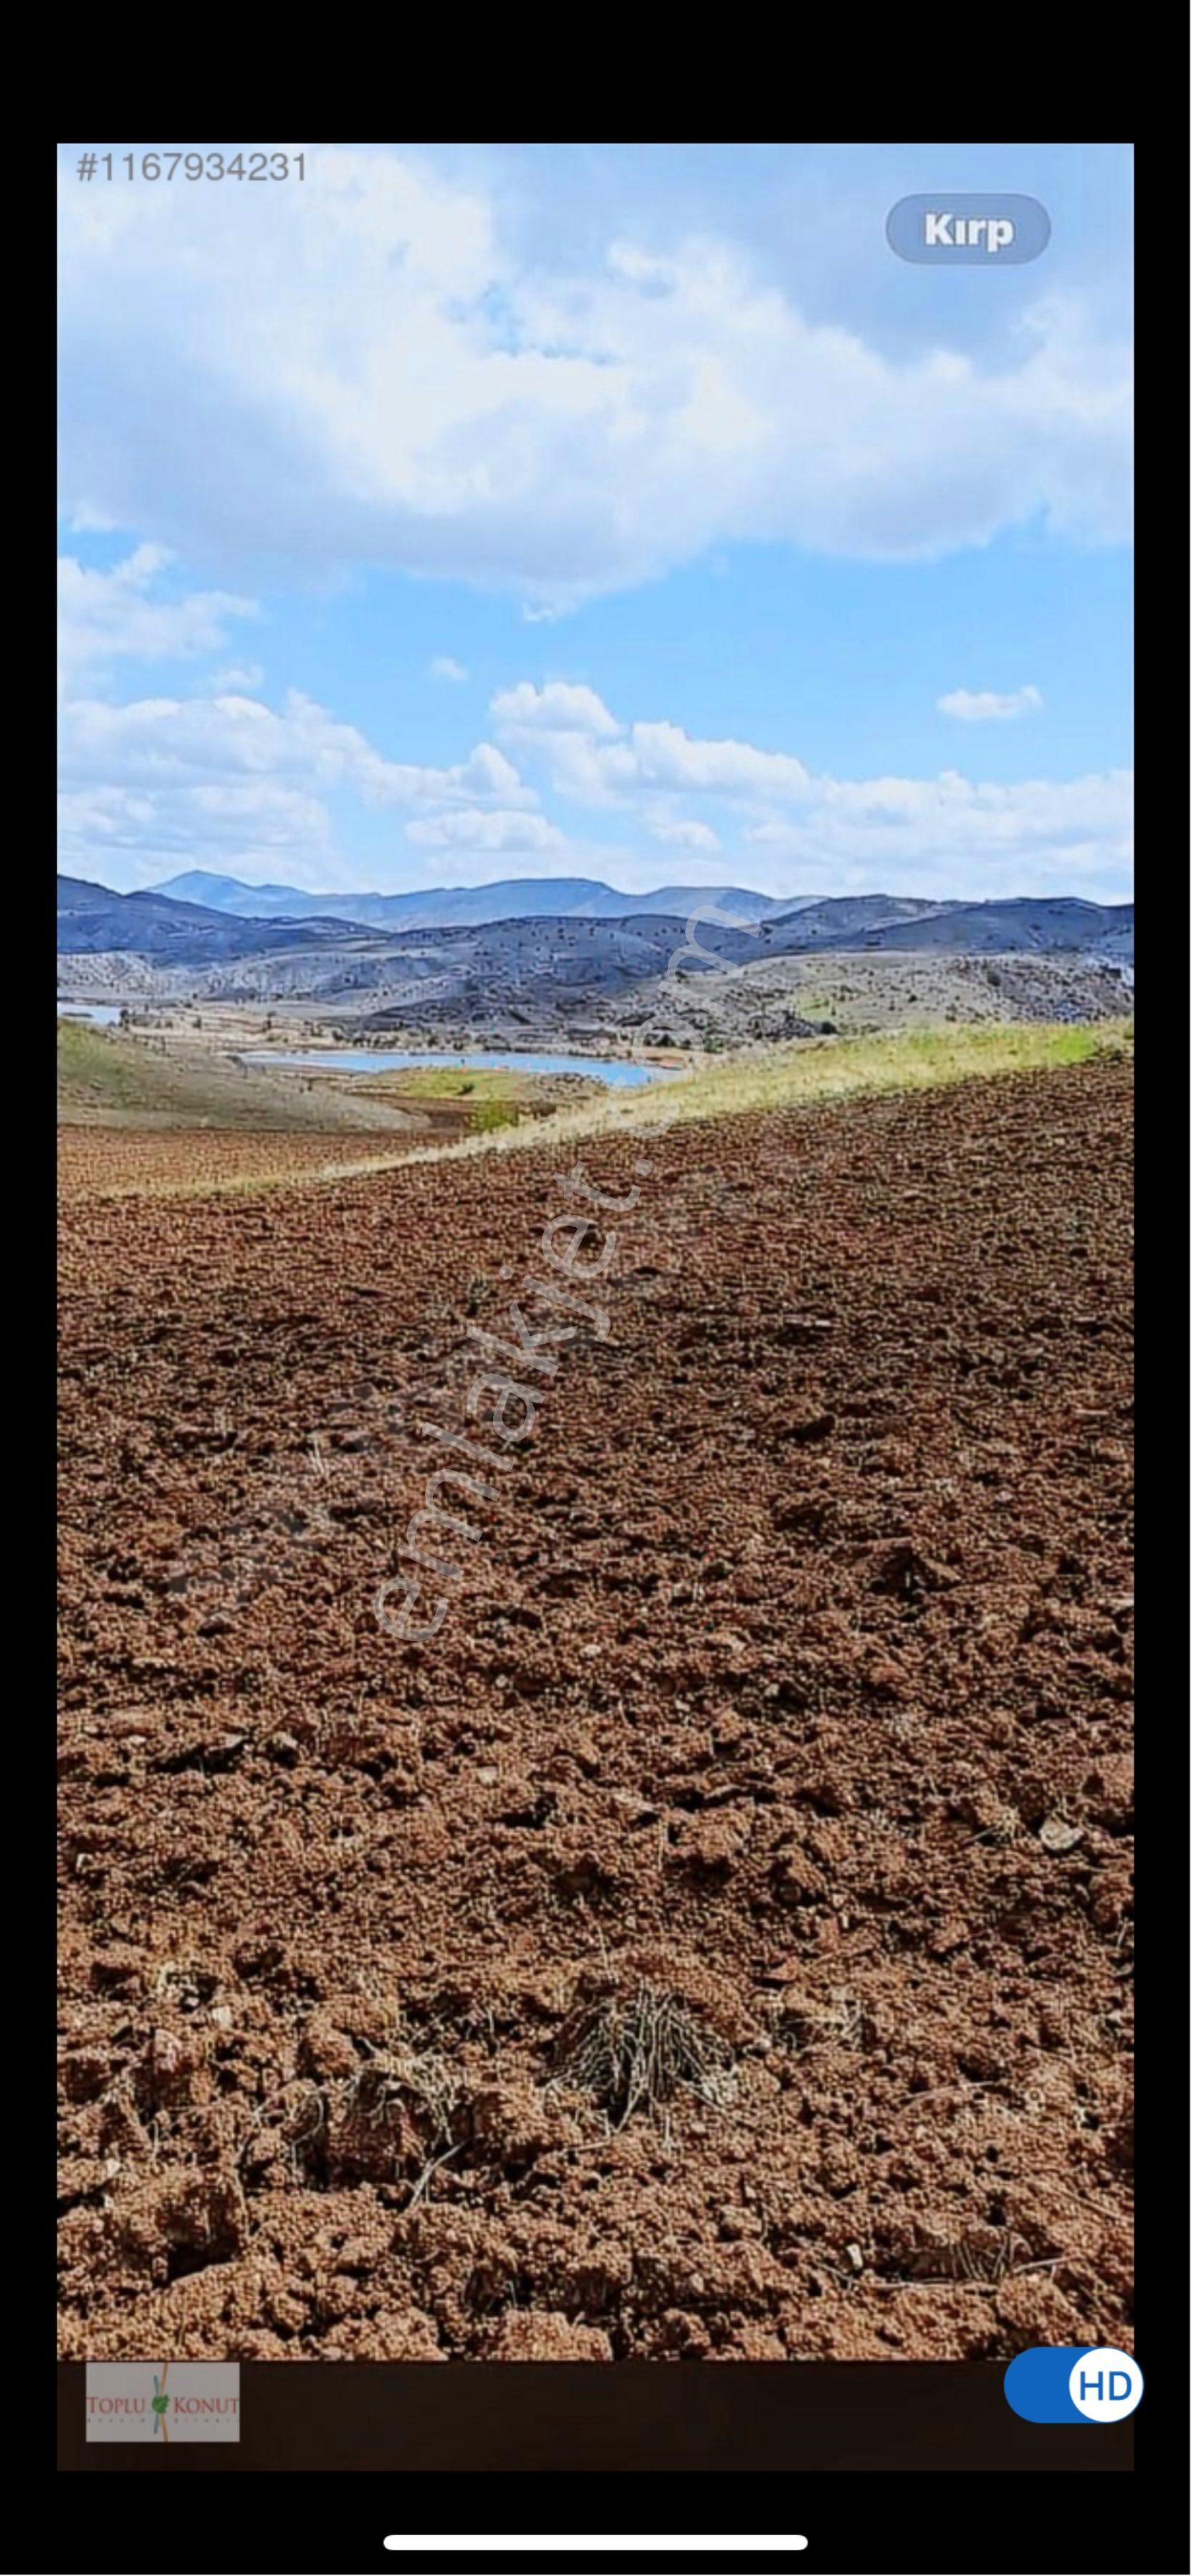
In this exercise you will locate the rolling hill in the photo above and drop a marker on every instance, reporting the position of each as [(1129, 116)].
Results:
[(532, 967), (449, 907), (92, 919)]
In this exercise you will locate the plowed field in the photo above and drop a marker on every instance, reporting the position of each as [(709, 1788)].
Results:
[(183, 1161), (787, 1681)]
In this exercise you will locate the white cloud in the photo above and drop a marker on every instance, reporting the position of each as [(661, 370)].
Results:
[(103, 616), (238, 678), (796, 831), (182, 740), (221, 774), (365, 368), (950, 835), (222, 777), (445, 667), (228, 778), (665, 756), (986, 706), (594, 758), (486, 833), (556, 707), (129, 836), (486, 772), (682, 835)]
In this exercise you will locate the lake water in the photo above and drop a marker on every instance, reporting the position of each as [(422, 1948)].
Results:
[(608, 1069), (102, 1015)]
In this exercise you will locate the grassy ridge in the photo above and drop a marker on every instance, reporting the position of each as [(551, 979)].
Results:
[(487, 1097), (448, 1081), (792, 1076), (806, 1071), (107, 1078)]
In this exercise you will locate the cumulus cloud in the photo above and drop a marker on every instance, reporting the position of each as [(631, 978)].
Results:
[(238, 679), (106, 616), (952, 835), (664, 755), (684, 835), (593, 757), (221, 776), (368, 368), (184, 739), (226, 776), (987, 706), (556, 707), (132, 836), (486, 833), (797, 831), (445, 667)]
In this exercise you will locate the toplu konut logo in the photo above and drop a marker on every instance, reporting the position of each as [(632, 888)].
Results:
[(968, 232), (163, 2401)]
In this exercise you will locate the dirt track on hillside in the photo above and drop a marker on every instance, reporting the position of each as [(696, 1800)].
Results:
[(791, 1679)]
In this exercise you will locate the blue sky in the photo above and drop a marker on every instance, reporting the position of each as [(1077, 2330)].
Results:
[(629, 510)]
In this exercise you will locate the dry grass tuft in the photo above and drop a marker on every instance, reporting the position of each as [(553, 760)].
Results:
[(636, 2054)]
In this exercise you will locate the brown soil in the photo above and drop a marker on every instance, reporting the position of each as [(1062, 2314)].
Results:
[(790, 1687), (115, 1162)]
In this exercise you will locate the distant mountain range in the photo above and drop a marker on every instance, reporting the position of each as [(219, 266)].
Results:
[(562, 945), (442, 907), (91, 919)]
